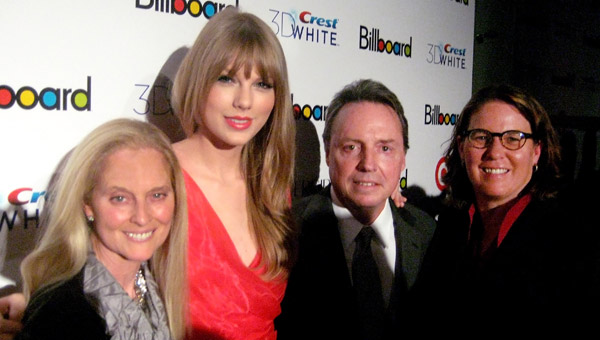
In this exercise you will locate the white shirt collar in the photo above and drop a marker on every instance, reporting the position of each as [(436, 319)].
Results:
[(383, 245), (350, 227)]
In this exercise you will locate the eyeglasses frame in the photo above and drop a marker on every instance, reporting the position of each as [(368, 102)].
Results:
[(524, 136)]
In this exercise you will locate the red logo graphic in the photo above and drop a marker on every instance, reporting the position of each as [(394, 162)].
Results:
[(440, 171)]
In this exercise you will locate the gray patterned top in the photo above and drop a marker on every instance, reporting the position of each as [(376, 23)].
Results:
[(125, 319)]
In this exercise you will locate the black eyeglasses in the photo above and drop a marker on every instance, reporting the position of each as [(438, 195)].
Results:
[(512, 139)]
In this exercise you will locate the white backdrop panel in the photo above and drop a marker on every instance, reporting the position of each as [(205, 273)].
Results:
[(117, 57)]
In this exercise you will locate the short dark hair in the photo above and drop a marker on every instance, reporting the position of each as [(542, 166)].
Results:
[(364, 90), (543, 183)]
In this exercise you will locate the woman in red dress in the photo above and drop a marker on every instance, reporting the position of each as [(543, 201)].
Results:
[(231, 95)]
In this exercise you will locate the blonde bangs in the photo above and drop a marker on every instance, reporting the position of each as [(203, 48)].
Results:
[(250, 55)]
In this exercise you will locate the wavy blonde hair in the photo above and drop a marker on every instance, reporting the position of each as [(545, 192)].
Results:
[(243, 41), (62, 250)]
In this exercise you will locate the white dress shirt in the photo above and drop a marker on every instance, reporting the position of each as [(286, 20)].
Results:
[(383, 245)]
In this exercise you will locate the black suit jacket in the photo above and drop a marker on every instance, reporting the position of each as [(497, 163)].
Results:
[(62, 312), (540, 272), (319, 302)]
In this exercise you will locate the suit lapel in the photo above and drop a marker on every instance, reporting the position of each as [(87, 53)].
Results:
[(325, 236), (408, 249)]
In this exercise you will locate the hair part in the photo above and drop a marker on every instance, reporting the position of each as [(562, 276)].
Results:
[(62, 251), (544, 181), (364, 90)]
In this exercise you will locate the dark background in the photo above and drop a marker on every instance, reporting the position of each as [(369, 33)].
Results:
[(551, 49)]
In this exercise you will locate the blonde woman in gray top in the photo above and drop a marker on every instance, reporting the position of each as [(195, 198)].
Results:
[(105, 267)]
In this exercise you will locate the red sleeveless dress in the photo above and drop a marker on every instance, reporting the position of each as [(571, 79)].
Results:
[(227, 299)]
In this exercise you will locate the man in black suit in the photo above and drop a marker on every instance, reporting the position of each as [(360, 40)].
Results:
[(352, 228)]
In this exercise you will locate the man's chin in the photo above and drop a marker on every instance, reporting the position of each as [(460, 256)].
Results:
[(368, 202)]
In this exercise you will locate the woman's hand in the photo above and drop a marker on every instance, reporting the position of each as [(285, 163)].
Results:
[(397, 197), (11, 313)]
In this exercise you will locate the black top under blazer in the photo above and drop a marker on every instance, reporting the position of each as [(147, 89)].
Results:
[(540, 271), (62, 312)]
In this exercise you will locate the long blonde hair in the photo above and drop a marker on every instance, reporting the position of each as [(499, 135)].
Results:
[(62, 250), (244, 41)]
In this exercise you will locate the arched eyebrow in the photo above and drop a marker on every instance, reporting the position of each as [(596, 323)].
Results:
[(158, 188)]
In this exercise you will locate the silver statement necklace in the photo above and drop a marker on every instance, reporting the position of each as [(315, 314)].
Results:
[(140, 288)]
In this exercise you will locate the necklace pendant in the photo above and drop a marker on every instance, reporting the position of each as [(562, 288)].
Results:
[(140, 287)]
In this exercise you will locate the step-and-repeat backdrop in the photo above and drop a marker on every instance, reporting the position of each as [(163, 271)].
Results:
[(68, 66)]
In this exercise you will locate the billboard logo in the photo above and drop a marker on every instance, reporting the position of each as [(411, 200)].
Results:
[(447, 55), (434, 116), (50, 98), (404, 180), (306, 26), (372, 42), (316, 112), (194, 8)]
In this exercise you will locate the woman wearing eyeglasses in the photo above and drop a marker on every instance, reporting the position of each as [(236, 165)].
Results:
[(504, 247)]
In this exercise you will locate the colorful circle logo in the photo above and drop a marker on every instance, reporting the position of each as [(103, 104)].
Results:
[(440, 171)]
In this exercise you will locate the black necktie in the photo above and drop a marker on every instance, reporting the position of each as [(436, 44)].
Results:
[(366, 282)]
